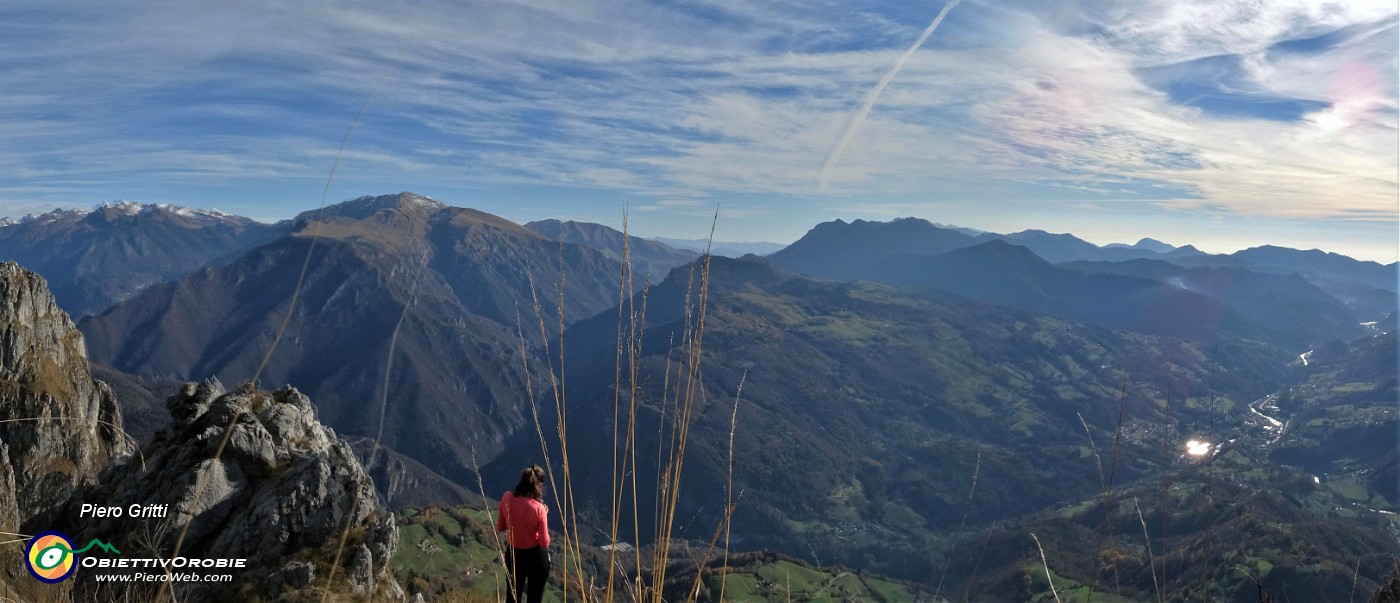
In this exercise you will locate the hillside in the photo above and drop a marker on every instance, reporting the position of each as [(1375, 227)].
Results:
[(1368, 288), (867, 409), (1300, 500), (954, 394), (451, 551), (439, 287), (1000, 273), (93, 259), (651, 259), (1280, 302)]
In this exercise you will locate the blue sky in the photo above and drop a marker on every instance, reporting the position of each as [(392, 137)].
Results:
[(1222, 123)]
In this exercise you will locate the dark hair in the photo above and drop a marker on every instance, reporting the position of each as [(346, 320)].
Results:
[(531, 482)]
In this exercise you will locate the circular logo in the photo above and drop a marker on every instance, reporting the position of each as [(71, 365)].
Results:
[(50, 557)]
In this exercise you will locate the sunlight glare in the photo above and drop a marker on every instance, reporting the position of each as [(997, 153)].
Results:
[(1197, 447)]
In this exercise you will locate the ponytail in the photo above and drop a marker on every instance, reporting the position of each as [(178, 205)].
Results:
[(531, 482)]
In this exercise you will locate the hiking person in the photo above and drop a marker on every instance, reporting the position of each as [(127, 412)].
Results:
[(524, 520)]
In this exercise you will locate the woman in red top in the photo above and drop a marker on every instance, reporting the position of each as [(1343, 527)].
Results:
[(524, 520)]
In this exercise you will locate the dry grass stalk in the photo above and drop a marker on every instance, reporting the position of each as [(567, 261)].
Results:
[(1046, 564)]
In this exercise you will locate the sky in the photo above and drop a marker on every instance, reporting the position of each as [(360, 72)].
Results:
[(1223, 123)]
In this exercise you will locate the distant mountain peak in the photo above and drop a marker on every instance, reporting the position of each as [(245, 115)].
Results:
[(838, 250), (1152, 244), (1144, 244), (95, 257), (417, 200), (129, 208), (652, 258), (999, 248), (731, 273), (121, 208), (113, 210), (972, 232), (365, 206), (404, 200), (50, 216)]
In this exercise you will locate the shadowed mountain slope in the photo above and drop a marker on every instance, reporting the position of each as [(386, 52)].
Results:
[(442, 286), (842, 251), (649, 258), (1280, 302), (1057, 248), (1368, 288), (93, 259), (1000, 273), (866, 409)]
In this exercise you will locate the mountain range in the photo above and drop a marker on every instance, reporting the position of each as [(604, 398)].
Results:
[(1185, 294), (885, 368), (732, 249), (405, 302), (649, 258), (95, 258)]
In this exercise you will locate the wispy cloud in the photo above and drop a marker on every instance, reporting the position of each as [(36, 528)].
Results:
[(874, 95), (719, 101)]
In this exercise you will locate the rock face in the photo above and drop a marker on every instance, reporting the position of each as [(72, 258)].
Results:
[(58, 426), (280, 495), (61, 427)]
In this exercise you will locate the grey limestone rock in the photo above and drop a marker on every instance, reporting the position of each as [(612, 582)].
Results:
[(60, 426), (298, 574), (283, 488)]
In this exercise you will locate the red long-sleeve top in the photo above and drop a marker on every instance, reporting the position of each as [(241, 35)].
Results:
[(524, 520)]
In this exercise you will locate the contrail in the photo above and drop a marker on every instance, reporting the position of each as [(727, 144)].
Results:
[(874, 95)]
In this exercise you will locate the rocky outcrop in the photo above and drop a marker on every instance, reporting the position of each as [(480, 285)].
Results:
[(58, 426), (253, 474), (283, 494)]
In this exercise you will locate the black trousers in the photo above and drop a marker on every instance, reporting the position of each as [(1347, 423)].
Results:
[(527, 570)]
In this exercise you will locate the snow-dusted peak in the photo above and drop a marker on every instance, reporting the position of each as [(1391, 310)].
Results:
[(52, 216), (421, 201), (122, 208), (129, 208)]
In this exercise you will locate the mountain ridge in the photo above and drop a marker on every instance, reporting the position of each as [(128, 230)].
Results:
[(650, 258), (96, 258), (440, 287)]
